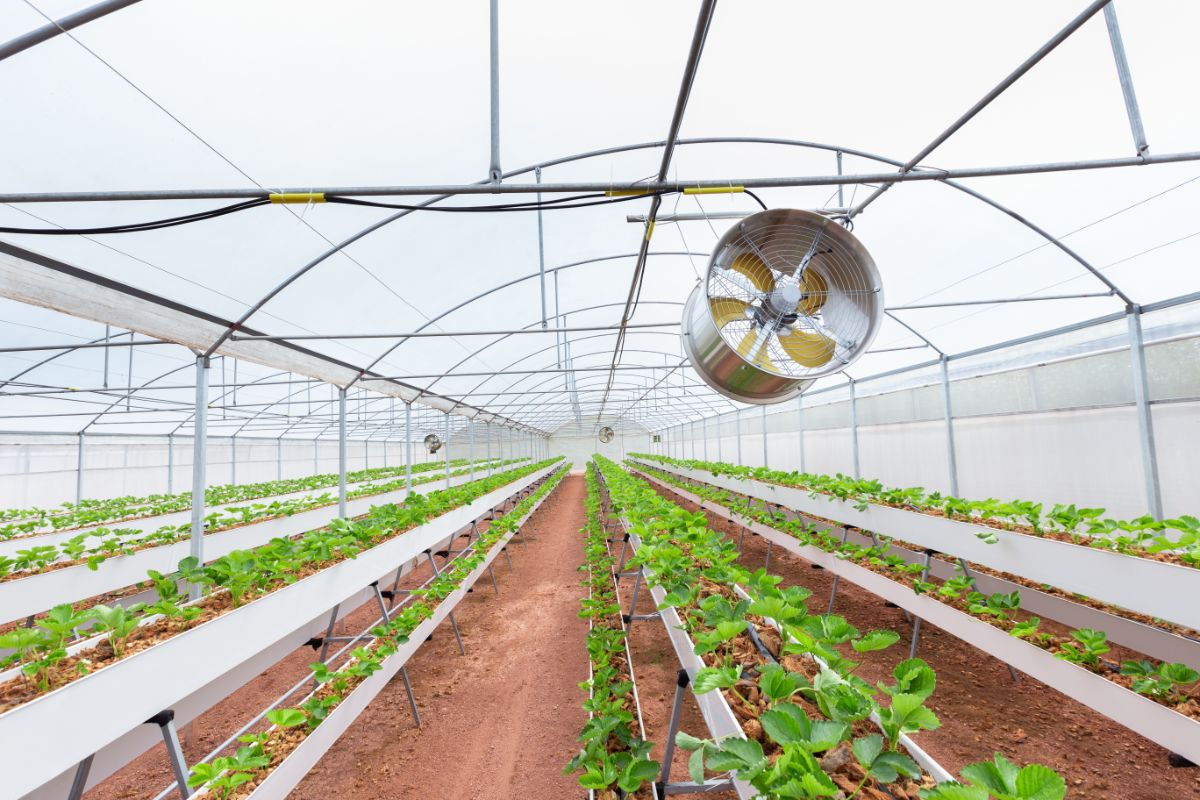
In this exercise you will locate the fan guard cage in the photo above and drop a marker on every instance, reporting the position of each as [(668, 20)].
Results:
[(758, 331), (606, 434)]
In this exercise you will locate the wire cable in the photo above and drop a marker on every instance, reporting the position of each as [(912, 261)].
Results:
[(151, 225)]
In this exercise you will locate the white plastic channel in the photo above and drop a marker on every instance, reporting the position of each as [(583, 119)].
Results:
[(1148, 587), (147, 525), (119, 698), (300, 761), (23, 597), (1146, 639), (1159, 724)]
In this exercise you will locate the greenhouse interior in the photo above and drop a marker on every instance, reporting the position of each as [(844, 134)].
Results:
[(617, 402)]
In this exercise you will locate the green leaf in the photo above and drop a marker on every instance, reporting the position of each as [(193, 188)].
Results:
[(786, 724), (867, 749), (685, 741), (890, 766), (287, 717), (998, 776), (954, 791), (696, 765), (776, 683), (1036, 782), (875, 640), (711, 678)]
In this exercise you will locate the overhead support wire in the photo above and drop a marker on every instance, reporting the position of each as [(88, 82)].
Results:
[(987, 99)]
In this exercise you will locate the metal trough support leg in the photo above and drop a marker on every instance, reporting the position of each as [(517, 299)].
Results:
[(450, 616), (328, 633), (624, 550), (165, 720), (767, 562), (681, 684), (637, 582), (81, 776), (412, 699), (916, 634), (495, 585), (1016, 676), (837, 578)]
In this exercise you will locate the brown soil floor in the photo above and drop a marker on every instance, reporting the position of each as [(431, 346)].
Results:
[(982, 710)]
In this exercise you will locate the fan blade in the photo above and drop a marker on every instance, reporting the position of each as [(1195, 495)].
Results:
[(727, 309), (754, 268), (808, 349), (748, 345), (816, 292)]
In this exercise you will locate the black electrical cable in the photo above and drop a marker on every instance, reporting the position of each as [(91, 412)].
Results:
[(532, 205), (756, 198), (152, 225), (572, 201)]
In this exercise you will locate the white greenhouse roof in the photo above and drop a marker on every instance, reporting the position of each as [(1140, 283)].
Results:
[(221, 101)]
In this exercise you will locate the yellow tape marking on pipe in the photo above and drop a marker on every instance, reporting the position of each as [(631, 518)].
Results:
[(649, 230), (713, 189), (626, 192), (297, 197)]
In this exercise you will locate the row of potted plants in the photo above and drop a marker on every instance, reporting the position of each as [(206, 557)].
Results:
[(1172, 684), (787, 675), (17, 522), (236, 776), (615, 758), (42, 658)]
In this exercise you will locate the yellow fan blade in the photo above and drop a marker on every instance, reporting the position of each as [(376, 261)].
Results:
[(816, 291), (753, 268), (808, 349), (761, 358), (727, 309)]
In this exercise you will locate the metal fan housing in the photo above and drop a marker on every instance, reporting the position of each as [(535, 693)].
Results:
[(433, 443), (789, 296), (606, 434)]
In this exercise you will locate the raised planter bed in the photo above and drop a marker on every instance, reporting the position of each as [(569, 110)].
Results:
[(285, 777), (23, 597), (1153, 588), (1159, 724), (191, 671)]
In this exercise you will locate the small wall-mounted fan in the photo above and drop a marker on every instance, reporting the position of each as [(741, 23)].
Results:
[(606, 434), (433, 443), (789, 296)]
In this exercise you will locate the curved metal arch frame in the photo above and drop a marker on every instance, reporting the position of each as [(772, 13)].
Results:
[(773, 141), (258, 305)]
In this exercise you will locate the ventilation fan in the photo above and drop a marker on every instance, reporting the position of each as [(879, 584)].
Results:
[(433, 443), (789, 296), (606, 434)]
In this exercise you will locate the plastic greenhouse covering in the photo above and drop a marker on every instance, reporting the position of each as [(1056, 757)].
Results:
[(315, 318)]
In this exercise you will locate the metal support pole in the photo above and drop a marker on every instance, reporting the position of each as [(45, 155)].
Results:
[(279, 459), (412, 699), (199, 463), (854, 427), (170, 463), (107, 336), (704, 427), (79, 470), (408, 450), (681, 683), (720, 446), (1141, 394), (800, 428), (471, 450), (766, 463), (494, 172), (81, 776), (165, 720), (948, 411), (1131, 104), (916, 633), (233, 460), (489, 447), (737, 421), (836, 578), (341, 451), (450, 615), (447, 450)]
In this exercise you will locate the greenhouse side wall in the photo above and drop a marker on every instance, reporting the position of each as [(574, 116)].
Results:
[(1053, 422), (40, 470)]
